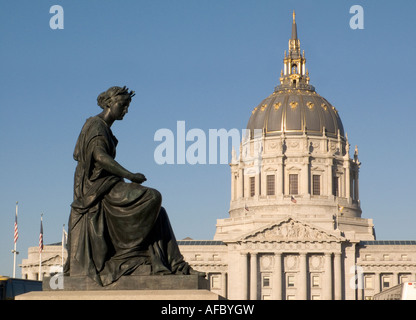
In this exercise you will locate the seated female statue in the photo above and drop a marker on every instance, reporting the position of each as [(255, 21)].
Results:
[(115, 227)]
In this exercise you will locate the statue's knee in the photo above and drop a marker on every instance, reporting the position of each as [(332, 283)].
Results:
[(156, 195)]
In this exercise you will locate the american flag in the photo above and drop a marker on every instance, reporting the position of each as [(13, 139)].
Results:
[(293, 199), (41, 236), (16, 232)]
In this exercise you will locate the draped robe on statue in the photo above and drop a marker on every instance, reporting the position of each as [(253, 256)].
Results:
[(115, 228)]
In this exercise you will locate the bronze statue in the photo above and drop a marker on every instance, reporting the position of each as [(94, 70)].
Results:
[(115, 227)]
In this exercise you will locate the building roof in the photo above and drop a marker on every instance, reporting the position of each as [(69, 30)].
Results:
[(388, 242), (200, 243)]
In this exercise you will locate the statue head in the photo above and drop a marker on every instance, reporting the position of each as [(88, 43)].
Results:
[(113, 95)]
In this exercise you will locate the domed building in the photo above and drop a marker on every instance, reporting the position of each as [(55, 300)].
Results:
[(296, 151), (295, 228)]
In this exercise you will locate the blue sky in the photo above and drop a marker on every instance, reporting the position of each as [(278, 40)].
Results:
[(208, 63)]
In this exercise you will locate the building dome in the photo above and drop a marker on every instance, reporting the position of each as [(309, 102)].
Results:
[(296, 111), (295, 107)]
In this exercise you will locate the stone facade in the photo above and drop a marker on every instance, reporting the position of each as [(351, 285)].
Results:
[(52, 262)]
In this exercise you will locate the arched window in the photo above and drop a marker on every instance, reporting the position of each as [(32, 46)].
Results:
[(294, 69)]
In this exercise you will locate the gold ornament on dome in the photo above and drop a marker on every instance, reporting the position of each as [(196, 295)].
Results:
[(293, 104), (263, 107), (324, 106), (277, 106), (254, 111), (310, 105)]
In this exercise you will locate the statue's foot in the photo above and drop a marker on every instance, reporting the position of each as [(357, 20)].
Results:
[(198, 273), (186, 269)]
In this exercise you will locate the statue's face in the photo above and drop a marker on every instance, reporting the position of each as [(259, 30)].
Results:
[(119, 108)]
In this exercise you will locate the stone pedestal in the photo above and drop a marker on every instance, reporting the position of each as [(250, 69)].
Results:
[(151, 282), (167, 287), (121, 295)]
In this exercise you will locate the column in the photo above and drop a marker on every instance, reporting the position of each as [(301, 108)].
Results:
[(263, 183), (305, 177), (395, 279), (233, 186), (244, 276), (253, 276), (337, 277), (360, 285), (327, 285), (277, 277), (377, 282), (303, 277), (224, 284), (258, 185), (347, 180), (357, 187), (279, 178), (240, 184), (329, 179)]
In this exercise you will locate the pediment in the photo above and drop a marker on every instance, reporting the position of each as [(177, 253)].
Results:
[(290, 230), (54, 260)]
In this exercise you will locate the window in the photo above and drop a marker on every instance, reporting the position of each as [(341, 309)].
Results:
[(215, 282), (404, 278), (386, 282), (315, 281), (368, 282), (270, 185), (252, 186), (266, 281), (290, 281), (335, 186), (216, 257), (316, 185), (293, 184)]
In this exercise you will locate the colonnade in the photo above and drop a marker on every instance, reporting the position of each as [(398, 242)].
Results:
[(331, 287)]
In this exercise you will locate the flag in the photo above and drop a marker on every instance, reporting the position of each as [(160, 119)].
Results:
[(41, 236), (16, 231), (293, 199), (340, 208), (245, 207), (64, 237)]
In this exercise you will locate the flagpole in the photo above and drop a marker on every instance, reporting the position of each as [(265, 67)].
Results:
[(15, 243), (40, 248)]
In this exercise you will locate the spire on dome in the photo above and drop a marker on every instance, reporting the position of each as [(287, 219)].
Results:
[(294, 73), (294, 27)]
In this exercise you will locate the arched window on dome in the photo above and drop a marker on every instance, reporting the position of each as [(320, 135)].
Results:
[(252, 186), (293, 184), (294, 69)]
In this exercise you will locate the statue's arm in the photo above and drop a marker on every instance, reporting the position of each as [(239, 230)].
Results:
[(113, 167)]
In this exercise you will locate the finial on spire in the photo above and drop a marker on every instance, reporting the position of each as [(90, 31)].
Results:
[(294, 27)]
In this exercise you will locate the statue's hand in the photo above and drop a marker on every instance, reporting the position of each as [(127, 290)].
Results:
[(138, 178)]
